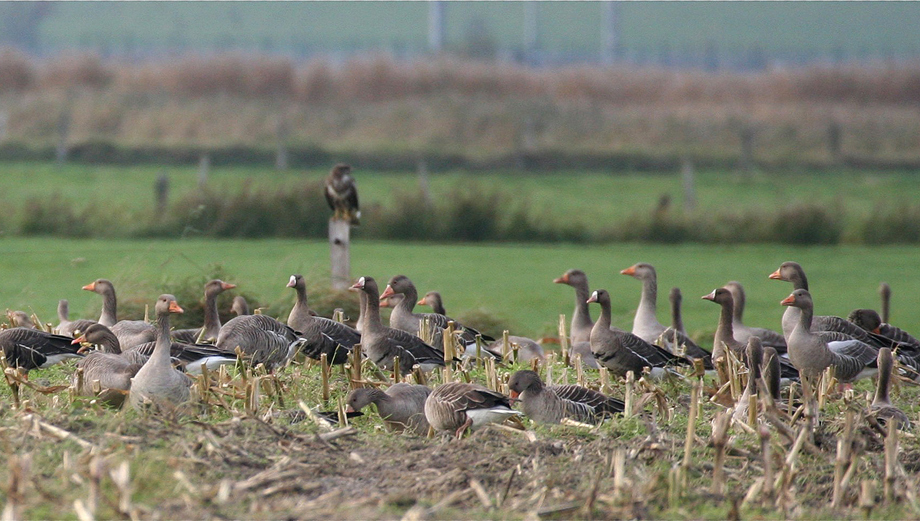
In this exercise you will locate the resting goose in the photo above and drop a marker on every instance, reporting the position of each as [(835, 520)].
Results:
[(870, 320), (401, 406), (881, 407), (552, 403), (261, 339), (207, 333), (383, 344), (158, 382), (646, 325), (527, 348), (110, 367), (27, 348), (811, 354), (433, 299), (726, 339), (677, 321), (458, 406), (620, 351), (129, 332), (69, 327), (240, 306), (20, 319), (771, 371), (753, 360), (322, 335), (405, 319), (742, 332)]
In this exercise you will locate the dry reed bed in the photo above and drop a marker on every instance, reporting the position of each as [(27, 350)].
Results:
[(447, 105), (250, 445)]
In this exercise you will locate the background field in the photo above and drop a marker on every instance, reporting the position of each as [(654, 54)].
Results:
[(511, 283)]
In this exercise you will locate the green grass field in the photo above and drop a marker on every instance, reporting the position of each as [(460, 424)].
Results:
[(595, 200), (511, 282)]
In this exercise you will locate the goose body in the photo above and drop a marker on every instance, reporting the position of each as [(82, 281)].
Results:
[(580, 329), (553, 403), (402, 406), (261, 339), (110, 367), (881, 406), (158, 382), (321, 335), (458, 406), (28, 348)]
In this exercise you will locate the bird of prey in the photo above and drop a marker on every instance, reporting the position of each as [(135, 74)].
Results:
[(342, 194)]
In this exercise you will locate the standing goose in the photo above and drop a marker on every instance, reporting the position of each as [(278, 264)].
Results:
[(725, 338), (208, 333), (27, 348), (580, 329), (458, 406), (552, 403), (158, 382), (771, 372), (405, 319), (322, 335), (742, 332), (383, 344), (240, 306), (881, 407), (129, 332), (261, 339), (811, 354), (110, 367), (402, 406), (621, 351), (433, 299), (677, 321), (646, 325), (884, 291), (753, 361)]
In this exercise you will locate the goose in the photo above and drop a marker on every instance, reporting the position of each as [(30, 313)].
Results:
[(881, 407), (207, 333), (677, 321), (240, 306), (112, 369), (811, 354), (458, 406), (527, 348), (20, 319), (581, 325), (771, 371), (742, 332), (870, 320), (884, 291), (322, 335), (261, 339), (753, 360), (392, 301), (383, 344), (402, 406), (405, 319), (69, 327), (620, 351), (552, 403), (129, 332), (27, 348), (646, 325), (726, 339), (433, 300), (158, 382)]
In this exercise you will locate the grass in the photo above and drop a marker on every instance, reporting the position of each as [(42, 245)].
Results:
[(511, 283), (593, 200)]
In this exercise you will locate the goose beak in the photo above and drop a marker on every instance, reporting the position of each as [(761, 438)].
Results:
[(384, 302), (592, 298), (788, 301), (358, 285), (631, 271), (564, 279), (227, 285), (174, 307), (78, 340), (292, 282), (90, 287), (711, 296), (422, 302), (514, 395), (775, 275), (387, 292), (349, 408), (877, 331)]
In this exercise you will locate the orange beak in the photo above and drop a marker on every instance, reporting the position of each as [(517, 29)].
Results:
[(629, 271), (564, 279), (174, 307), (349, 408), (877, 331), (422, 302), (387, 292), (78, 340), (775, 275), (514, 395), (788, 301), (90, 287), (227, 285), (384, 303)]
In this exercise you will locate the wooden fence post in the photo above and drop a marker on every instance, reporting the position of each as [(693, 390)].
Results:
[(339, 245)]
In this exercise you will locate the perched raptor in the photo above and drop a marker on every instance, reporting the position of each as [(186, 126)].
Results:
[(342, 194)]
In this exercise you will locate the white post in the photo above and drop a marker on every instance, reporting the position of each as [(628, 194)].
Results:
[(339, 245)]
